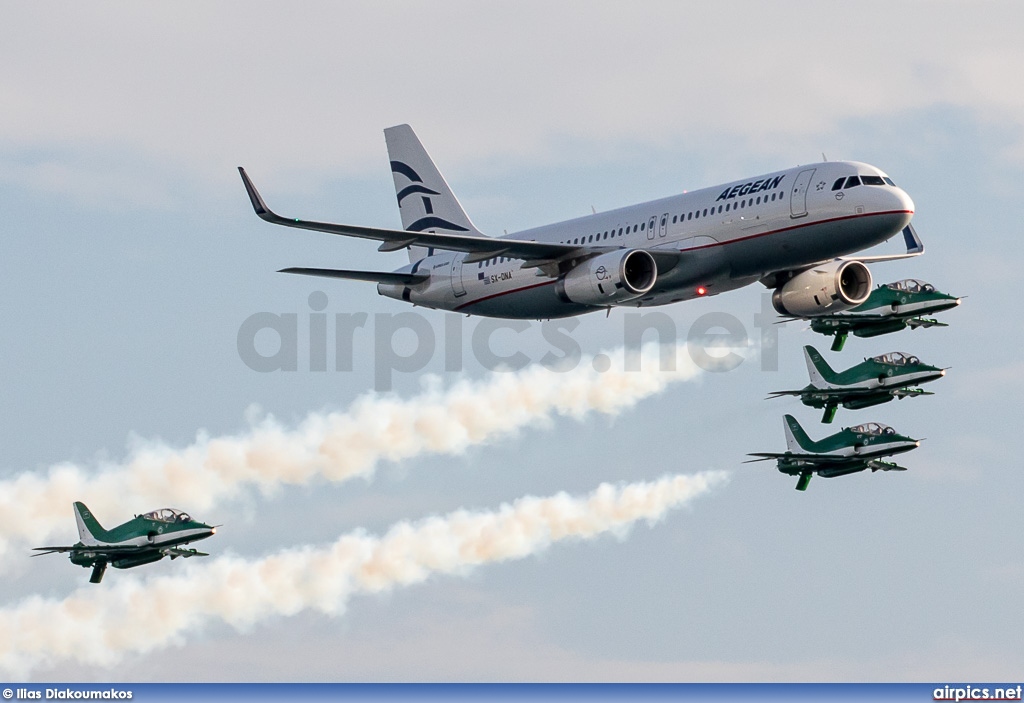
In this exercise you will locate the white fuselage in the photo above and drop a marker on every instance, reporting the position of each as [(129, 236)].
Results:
[(729, 236)]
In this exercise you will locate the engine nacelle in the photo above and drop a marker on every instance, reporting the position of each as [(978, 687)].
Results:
[(823, 290), (609, 279)]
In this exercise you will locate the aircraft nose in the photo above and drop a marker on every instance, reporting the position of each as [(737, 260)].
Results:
[(901, 202)]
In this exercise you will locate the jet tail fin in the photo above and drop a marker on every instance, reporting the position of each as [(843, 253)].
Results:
[(425, 201), (796, 439), (821, 374), (89, 529)]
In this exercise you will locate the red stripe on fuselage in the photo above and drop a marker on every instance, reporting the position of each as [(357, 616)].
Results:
[(498, 295), (708, 246), (800, 226)]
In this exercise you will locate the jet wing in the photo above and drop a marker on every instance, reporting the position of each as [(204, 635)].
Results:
[(99, 550), (841, 392), (534, 254), (816, 393), (813, 460)]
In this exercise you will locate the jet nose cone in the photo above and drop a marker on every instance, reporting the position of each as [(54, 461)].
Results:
[(903, 201)]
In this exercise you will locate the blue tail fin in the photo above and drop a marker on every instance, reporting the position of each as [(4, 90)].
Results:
[(425, 201)]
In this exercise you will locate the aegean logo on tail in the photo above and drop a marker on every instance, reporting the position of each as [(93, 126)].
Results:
[(430, 221)]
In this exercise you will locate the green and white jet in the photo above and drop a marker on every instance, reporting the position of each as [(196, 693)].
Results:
[(142, 540), (889, 308), (849, 451), (874, 381)]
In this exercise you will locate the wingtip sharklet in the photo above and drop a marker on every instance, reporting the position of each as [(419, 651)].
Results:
[(914, 243), (254, 196)]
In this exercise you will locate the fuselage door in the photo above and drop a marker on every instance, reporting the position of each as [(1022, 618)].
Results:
[(798, 198), (663, 225), (650, 227), (457, 287)]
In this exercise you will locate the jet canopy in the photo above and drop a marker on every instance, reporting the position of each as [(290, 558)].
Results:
[(872, 428), (911, 285), (168, 515), (896, 359)]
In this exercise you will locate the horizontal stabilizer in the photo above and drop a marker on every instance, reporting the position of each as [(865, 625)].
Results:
[(763, 457), (780, 394), (401, 279)]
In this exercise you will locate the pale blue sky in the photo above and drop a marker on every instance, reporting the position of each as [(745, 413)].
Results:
[(130, 256)]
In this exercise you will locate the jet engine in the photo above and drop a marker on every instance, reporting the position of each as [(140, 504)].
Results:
[(824, 289), (609, 279)]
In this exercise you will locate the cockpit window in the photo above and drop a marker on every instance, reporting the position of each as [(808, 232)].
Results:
[(872, 428), (168, 515), (838, 184), (888, 180), (911, 285), (853, 181), (897, 359), (872, 180)]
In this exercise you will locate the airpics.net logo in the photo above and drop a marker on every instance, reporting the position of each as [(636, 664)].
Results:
[(408, 342), (978, 693)]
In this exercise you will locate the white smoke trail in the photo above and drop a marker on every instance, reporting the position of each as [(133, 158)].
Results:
[(97, 625), (334, 446)]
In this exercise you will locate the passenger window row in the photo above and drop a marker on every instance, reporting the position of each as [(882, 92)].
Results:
[(685, 217)]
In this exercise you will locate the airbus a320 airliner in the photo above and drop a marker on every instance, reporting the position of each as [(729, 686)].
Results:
[(791, 230)]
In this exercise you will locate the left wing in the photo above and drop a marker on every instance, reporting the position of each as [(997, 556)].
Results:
[(534, 254)]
